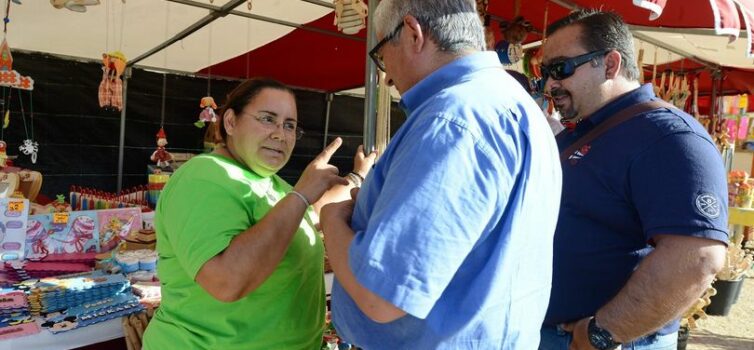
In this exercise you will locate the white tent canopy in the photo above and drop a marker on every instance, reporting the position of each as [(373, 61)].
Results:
[(137, 26)]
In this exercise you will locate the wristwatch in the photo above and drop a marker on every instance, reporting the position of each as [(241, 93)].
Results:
[(600, 338)]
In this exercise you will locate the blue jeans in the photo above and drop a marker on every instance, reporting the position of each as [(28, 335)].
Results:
[(554, 338)]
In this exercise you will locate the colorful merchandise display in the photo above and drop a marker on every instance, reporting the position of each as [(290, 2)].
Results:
[(13, 218), (15, 319), (83, 198), (156, 183), (89, 313), (79, 231)]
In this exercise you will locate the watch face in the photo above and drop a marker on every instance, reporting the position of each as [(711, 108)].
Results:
[(600, 338)]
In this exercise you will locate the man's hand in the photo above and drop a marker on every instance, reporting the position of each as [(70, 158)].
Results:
[(362, 163), (580, 332)]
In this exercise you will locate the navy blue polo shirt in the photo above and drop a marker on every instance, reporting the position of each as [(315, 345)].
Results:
[(657, 173)]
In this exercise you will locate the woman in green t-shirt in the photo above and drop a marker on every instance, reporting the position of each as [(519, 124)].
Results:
[(241, 263)]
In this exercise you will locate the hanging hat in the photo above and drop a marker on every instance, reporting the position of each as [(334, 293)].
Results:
[(508, 53), (161, 134)]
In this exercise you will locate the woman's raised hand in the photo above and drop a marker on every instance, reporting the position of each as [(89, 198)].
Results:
[(319, 176)]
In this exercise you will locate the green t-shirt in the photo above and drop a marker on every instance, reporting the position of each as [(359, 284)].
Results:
[(206, 203)]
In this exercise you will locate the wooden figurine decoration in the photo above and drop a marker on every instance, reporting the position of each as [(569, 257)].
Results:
[(8, 76), (514, 33), (208, 113), (350, 15), (74, 5), (161, 156), (3, 154), (111, 87)]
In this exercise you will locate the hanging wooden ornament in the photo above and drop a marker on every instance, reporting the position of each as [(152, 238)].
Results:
[(161, 156), (74, 5), (350, 15), (3, 154), (110, 91), (208, 112), (8, 76), (509, 50)]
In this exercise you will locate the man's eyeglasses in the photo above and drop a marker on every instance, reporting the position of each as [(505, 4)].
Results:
[(565, 68), (290, 127), (375, 52)]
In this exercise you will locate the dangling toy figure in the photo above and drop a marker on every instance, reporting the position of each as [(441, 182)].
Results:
[(111, 87), (208, 114), (510, 50), (30, 147), (161, 156), (3, 154), (350, 15)]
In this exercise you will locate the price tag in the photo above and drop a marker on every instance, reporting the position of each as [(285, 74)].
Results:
[(16, 207), (60, 218)]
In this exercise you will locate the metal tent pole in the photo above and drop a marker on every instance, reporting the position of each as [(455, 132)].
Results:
[(211, 17), (370, 84), (268, 19), (122, 140), (329, 97)]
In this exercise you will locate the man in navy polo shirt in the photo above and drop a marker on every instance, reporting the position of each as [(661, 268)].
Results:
[(450, 241), (643, 218)]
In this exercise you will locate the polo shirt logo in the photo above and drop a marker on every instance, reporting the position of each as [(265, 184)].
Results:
[(580, 153), (708, 205)]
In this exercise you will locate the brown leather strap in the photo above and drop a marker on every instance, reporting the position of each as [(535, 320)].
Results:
[(622, 116)]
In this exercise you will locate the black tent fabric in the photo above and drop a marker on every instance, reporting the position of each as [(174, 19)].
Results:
[(78, 140)]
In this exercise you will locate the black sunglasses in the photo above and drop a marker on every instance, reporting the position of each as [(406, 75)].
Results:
[(375, 52), (565, 68)]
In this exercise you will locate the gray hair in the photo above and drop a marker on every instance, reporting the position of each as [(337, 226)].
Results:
[(453, 25)]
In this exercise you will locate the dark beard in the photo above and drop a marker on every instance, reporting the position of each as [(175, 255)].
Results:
[(565, 117)]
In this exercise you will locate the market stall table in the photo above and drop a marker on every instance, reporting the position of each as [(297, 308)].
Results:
[(96, 333)]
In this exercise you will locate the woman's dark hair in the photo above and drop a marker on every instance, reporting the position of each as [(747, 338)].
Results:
[(242, 95), (602, 30)]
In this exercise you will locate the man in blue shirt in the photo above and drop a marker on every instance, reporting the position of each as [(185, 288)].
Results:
[(450, 238), (643, 218)]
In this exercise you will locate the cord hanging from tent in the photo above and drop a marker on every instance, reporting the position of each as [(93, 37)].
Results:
[(167, 22), (6, 19), (209, 62), (164, 91), (29, 146), (248, 44), (207, 102), (5, 111), (107, 26), (122, 21), (161, 156)]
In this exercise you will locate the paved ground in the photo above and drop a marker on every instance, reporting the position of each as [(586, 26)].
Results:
[(732, 332)]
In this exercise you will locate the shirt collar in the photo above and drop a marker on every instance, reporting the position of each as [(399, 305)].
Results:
[(450, 74), (641, 94)]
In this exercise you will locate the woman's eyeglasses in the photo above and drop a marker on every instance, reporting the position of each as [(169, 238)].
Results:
[(290, 127), (563, 69)]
